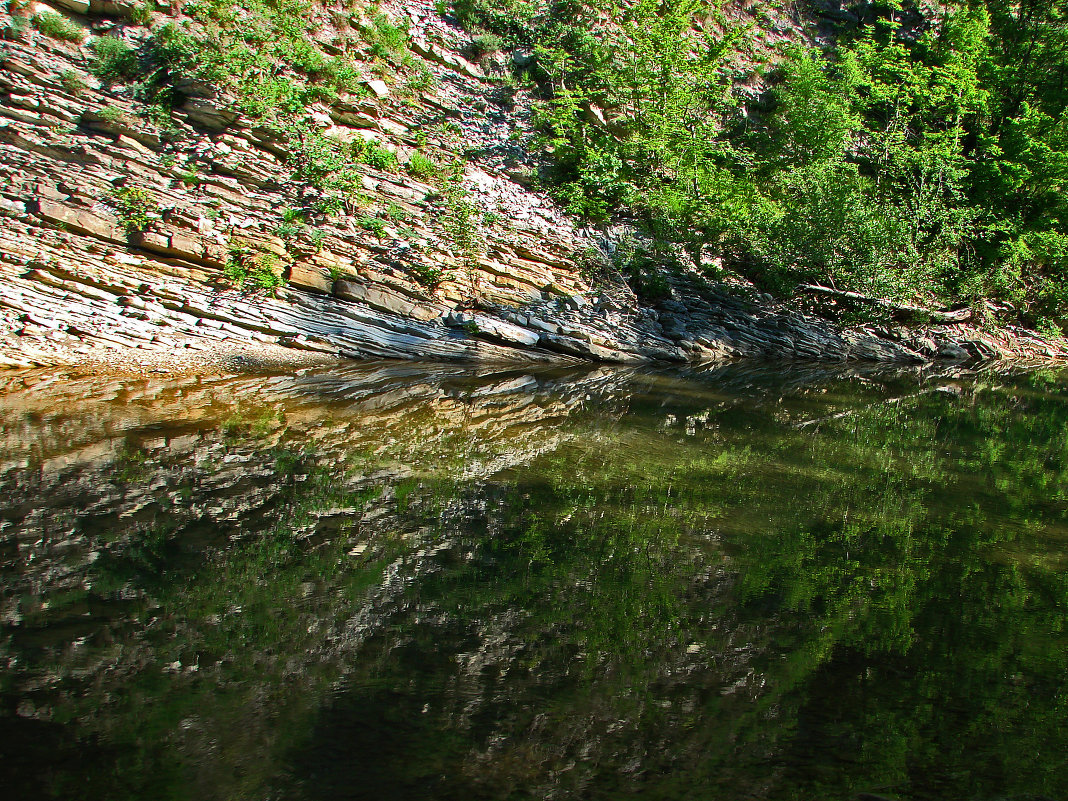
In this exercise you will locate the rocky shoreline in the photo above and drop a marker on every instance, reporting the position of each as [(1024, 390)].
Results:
[(117, 318), (78, 287)]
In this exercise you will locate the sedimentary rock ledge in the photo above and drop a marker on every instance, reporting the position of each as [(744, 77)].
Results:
[(78, 285)]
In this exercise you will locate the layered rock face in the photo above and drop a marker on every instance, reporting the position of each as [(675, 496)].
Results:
[(392, 278)]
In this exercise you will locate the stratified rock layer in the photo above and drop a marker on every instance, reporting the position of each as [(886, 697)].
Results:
[(76, 286)]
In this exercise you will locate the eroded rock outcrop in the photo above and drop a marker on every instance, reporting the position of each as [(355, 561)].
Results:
[(390, 280)]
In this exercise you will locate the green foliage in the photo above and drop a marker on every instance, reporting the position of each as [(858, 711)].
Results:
[(15, 29), (427, 275), (113, 61), (251, 265), (379, 157), (324, 162), (485, 43), (372, 224), (643, 266), (142, 12), (110, 114), (135, 207), (190, 176), (386, 39), (459, 218), (72, 82), (316, 237), (930, 165), (58, 27), (423, 80), (421, 166)]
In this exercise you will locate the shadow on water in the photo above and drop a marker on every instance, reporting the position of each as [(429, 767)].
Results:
[(394, 581)]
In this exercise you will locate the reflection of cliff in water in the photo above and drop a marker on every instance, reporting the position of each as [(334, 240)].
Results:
[(391, 582)]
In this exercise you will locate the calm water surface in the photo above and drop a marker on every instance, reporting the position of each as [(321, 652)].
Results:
[(396, 582)]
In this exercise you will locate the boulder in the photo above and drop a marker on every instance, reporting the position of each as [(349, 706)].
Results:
[(386, 299), (482, 325), (209, 113), (308, 276), (77, 6)]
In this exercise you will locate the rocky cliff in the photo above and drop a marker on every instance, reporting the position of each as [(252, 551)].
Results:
[(128, 238)]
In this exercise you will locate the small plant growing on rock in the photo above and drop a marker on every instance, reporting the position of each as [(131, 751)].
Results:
[(459, 219), (110, 114), (72, 82), (372, 224), (427, 275), (136, 208), (421, 166), (422, 80), (57, 26), (291, 225), (325, 163), (379, 157), (141, 13), (114, 61), (328, 204), (384, 38), (248, 265), (190, 177), (485, 43), (15, 30)]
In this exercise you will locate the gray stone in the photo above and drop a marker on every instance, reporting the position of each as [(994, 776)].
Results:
[(77, 6), (950, 351)]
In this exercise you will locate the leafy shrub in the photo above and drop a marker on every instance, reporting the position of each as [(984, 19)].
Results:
[(460, 221), (72, 82), (141, 13), (324, 162), (135, 207), (328, 204), (251, 265), (379, 157), (485, 43), (421, 166), (173, 53), (372, 224), (114, 61), (426, 274), (384, 37), (58, 27)]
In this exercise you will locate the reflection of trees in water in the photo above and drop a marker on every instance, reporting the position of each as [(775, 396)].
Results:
[(863, 631), (697, 598)]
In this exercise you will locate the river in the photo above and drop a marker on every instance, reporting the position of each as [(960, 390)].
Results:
[(393, 581)]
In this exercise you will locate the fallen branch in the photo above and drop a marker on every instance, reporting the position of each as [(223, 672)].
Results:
[(899, 310)]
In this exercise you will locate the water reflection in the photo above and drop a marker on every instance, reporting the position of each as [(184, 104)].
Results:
[(398, 582)]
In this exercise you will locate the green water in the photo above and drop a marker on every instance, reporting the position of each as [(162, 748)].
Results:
[(399, 582)]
